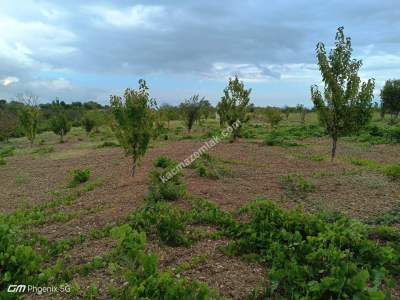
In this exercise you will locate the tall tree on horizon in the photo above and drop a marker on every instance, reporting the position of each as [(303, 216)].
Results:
[(345, 105)]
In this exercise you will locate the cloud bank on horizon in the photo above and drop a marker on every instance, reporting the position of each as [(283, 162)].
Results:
[(81, 51)]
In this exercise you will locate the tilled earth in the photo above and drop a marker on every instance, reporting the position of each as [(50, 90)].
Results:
[(255, 171)]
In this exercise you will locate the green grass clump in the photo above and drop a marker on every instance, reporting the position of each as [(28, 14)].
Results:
[(208, 166), (2, 161), (296, 186), (286, 136), (7, 151), (79, 176), (393, 172), (43, 150), (171, 189), (108, 144)]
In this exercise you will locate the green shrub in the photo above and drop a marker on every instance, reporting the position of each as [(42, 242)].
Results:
[(169, 190), (296, 186), (390, 217), (164, 220), (310, 257), (143, 279), (7, 151), (79, 176), (393, 172), (19, 263), (208, 166), (2, 161)]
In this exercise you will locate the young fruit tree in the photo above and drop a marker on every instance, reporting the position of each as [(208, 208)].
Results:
[(302, 112), (88, 123), (235, 105), (8, 124), (59, 123), (29, 116), (345, 105), (390, 95), (133, 121), (191, 110), (273, 116)]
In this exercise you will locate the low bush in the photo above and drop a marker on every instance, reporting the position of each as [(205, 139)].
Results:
[(208, 166), (169, 190), (19, 263), (310, 257), (286, 136), (79, 176), (375, 134), (296, 186), (393, 172), (162, 219), (143, 279), (7, 151)]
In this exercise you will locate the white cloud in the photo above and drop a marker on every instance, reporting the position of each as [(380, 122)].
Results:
[(263, 72), (134, 16), (9, 80), (52, 84)]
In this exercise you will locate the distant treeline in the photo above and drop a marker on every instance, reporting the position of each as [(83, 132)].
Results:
[(77, 114)]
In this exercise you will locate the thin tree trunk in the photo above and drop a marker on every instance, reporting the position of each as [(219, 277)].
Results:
[(133, 169), (334, 142)]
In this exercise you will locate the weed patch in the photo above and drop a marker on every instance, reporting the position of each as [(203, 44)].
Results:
[(296, 186)]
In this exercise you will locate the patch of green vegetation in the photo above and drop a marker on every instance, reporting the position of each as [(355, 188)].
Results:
[(43, 150), (393, 171), (7, 151), (79, 176), (166, 221), (22, 178), (296, 186), (108, 144), (313, 157), (161, 186), (2, 161), (380, 134), (286, 136), (390, 170), (208, 166), (143, 279), (307, 255), (389, 218)]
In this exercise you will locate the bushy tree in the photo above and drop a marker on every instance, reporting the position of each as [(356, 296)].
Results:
[(234, 105), (59, 122), (390, 95), (273, 115), (191, 110), (8, 124), (345, 105), (29, 116), (222, 111), (206, 109), (168, 112), (88, 123), (302, 112), (133, 121)]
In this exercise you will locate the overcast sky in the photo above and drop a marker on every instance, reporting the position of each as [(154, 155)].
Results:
[(87, 50)]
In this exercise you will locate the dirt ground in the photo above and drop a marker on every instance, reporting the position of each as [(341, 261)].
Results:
[(255, 171)]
